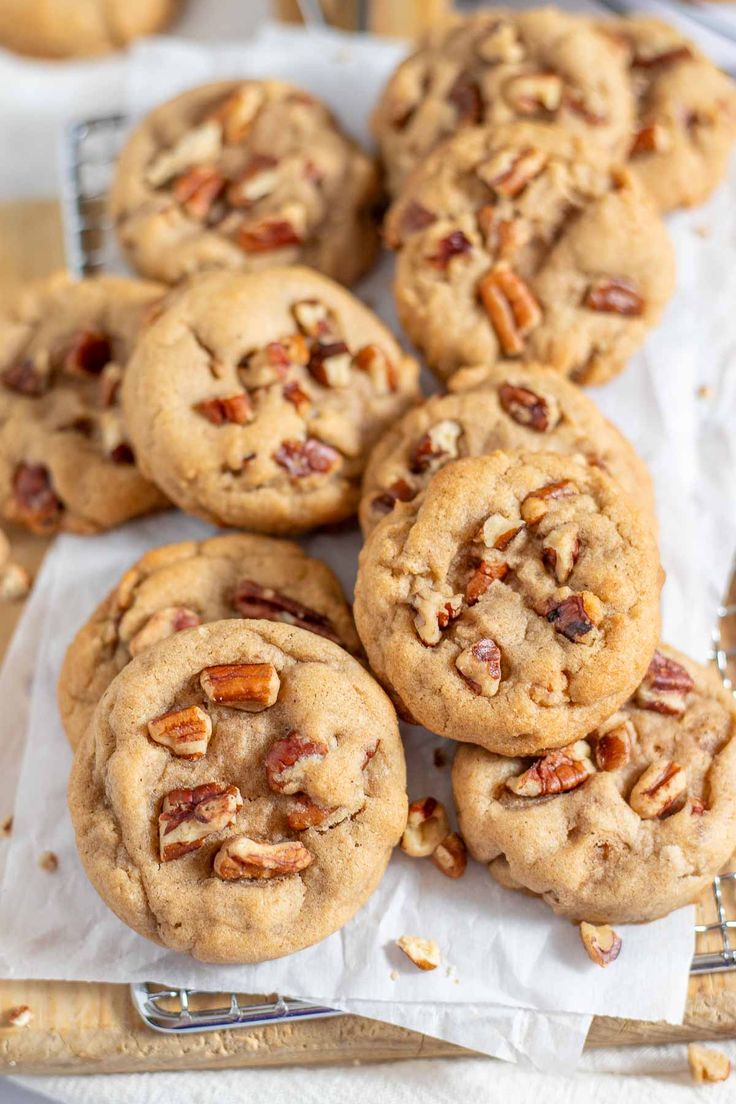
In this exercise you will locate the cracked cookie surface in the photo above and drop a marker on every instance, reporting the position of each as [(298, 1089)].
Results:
[(179, 586), (499, 407), (239, 791), (624, 826), (515, 605), (65, 458), (253, 399), (685, 112), (516, 241), (245, 175), (497, 67)]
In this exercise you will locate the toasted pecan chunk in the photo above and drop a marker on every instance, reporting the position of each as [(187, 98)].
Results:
[(244, 857), (185, 732), (189, 817), (248, 686), (236, 409), (511, 307)]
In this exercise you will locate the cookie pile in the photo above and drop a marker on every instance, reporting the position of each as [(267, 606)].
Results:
[(239, 780)]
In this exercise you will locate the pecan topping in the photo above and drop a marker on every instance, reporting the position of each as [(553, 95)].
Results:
[(88, 353), (499, 531), (602, 944), (452, 245), (268, 234), (36, 504), (661, 787), (305, 813), (253, 600), (236, 409), (560, 551), (271, 364), (438, 445), (426, 827), (185, 732), (665, 687), (198, 146), (480, 666), (248, 858), (189, 817), (24, 377), (372, 360), (424, 953), (652, 138), (613, 743), (614, 296), (330, 364), (480, 581), (19, 1016), (465, 97), (451, 856), (197, 189), (110, 379), (707, 1064), (399, 491), (287, 758), (511, 307), (257, 180), (532, 93), (412, 217), (238, 112), (294, 393), (572, 617), (303, 458), (248, 686), (536, 504), (666, 57), (434, 612), (508, 172), (557, 772), (528, 408), (502, 236), (314, 319), (162, 624)]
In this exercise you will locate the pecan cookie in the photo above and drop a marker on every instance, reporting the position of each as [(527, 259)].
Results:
[(254, 398), (513, 605), (79, 28), (239, 791), (625, 825), (499, 66), (504, 406), (686, 112), (514, 241), (182, 585), (65, 459), (245, 175)]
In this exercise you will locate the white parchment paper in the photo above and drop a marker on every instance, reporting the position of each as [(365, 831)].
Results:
[(515, 981)]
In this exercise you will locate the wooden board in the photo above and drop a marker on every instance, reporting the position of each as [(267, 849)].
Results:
[(86, 1028)]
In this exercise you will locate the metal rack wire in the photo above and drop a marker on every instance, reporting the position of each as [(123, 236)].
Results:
[(89, 155)]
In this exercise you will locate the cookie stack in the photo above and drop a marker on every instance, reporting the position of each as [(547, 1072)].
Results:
[(239, 780)]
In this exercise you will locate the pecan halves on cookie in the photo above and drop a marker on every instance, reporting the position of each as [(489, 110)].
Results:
[(185, 732), (253, 600), (574, 617), (197, 189), (659, 790), (330, 363), (287, 759), (258, 179), (613, 743), (269, 234), (508, 172), (486, 573), (35, 504), (537, 503), (248, 686), (189, 817), (665, 687), (511, 307), (305, 458), (558, 772), (614, 296), (438, 445), (248, 858), (304, 813), (527, 408), (315, 319), (480, 667), (235, 409), (162, 624)]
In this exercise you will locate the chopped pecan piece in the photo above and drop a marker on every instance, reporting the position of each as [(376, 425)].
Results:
[(253, 600), (451, 856), (613, 743), (424, 953), (502, 236), (238, 112), (235, 409), (185, 732), (24, 377), (110, 379), (438, 445), (426, 827), (573, 617), (501, 44), (452, 245), (480, 581), (314, 319), (652, 138), (248, 858), (248, 686), (480, 666), (529, 409), (434, 610), (162, 624), (305, 813), (189, 817), (661, 787), (499, 531), (665, 57), (665, 687), (258, 179), (465, 97), (511, 307), (271, 364), (287, 758), (49, 862), (560, 551), (614, 296), (197, 189), (508, 172), (330, 364), (708, 1065), (372, 360), (602, 944), (19, 1016), (198, 146), (36, 505), (536, 504), (590, 107), (88, 353), (532, 93), (557, 772), (270, 233), (310, 457), (411, 218), (398, 491), (295, 394)]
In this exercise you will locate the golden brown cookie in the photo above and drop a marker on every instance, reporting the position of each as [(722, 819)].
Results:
[(65, 458), (239, 791), (182, 585), (79, 28), (500, 66), (504, 406), (254, 398), (514, 605), (626, 825), (245, 175), (515, 241)]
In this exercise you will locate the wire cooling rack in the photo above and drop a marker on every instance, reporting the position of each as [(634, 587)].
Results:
[(88, 157)]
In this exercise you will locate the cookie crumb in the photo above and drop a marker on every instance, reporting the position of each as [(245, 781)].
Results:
[(48, 862), (394, 975), (708, 1064), (705, 391), (424, 953), (439, 758), (702, 231), (6, 826), (20, 1016)]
